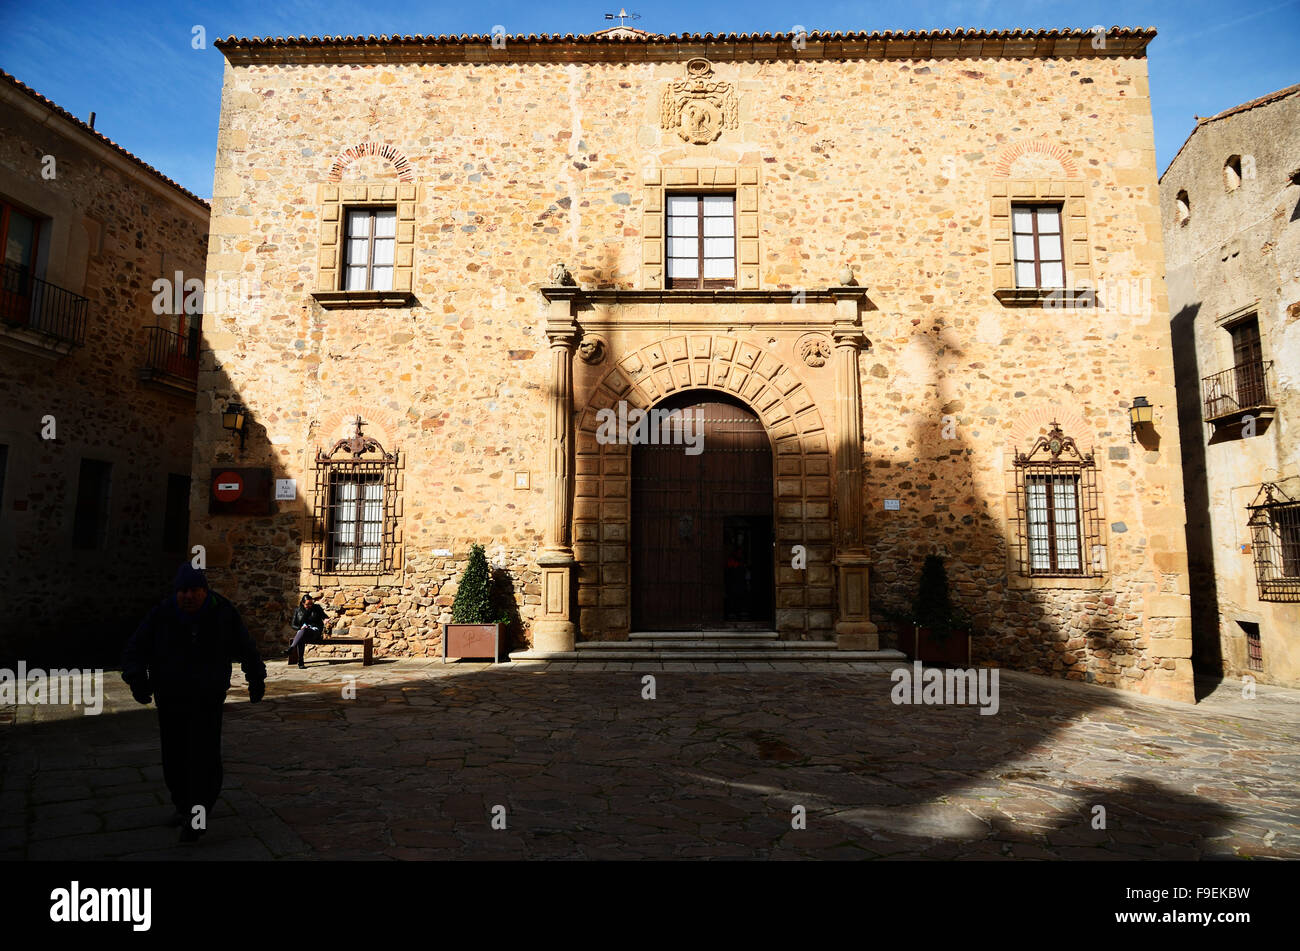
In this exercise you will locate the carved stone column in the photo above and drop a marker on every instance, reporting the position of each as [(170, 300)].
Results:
[(853, 627), (555, 629)]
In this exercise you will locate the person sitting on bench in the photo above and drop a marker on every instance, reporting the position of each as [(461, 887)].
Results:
[(309, 623)]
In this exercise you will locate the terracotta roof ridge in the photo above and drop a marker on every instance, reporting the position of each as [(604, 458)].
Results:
[(85, 127), (611, 35)]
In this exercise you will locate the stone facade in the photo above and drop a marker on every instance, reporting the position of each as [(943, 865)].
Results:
[(1231, 206), (73, 385), (872, 327)]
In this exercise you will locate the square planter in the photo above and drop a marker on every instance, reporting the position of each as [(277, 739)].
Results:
[(471, 640), (952, 650)]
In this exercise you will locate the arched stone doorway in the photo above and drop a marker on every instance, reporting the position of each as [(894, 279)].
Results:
[(602, 523), (702, 544)]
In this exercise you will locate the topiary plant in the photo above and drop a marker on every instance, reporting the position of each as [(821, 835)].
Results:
[(473, 602)]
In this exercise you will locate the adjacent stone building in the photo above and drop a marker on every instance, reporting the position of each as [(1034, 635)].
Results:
[(910, 284), (96, 382), (1230, 200)]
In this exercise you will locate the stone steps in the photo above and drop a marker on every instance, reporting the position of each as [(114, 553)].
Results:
[(708, 647)]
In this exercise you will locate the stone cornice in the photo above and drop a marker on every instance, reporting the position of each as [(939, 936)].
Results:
[(790, 297), (876, 45)]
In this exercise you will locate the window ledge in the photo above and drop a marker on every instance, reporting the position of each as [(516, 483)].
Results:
[(332, 300), (1021, 581), (1049, 297)]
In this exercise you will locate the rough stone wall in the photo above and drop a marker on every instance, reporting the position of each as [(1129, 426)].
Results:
[(884, 165), (113, 231), (1238, 250)]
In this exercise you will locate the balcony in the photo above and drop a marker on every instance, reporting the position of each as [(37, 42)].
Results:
[(38, 317), (172, 361), (1238, 392)]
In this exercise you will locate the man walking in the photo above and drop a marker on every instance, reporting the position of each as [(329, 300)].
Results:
[(181, 655)]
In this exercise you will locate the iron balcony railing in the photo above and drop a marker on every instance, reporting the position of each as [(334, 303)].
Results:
[(173, 354), (1236, 390), (28, 302)]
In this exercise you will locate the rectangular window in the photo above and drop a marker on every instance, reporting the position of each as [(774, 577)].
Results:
[(1254, 646), (1058, 514), (20, 235), (90, 524), (355, 507), (371, 241), (1275, 540), (701, 241), (176, 519), (356, 522), (1037, 245), (1053, 524), (1248, 362)]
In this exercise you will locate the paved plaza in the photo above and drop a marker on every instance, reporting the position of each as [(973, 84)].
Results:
[(414, 766)]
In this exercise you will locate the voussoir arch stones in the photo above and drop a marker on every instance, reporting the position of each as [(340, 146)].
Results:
[(802, 476)]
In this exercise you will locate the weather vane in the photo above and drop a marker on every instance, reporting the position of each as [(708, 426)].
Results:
[(621, 16)]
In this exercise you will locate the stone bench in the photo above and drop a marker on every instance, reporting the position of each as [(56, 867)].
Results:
[(365, 643)]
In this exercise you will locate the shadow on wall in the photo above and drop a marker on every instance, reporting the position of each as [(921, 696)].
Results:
[(1023, 629), (1207, 650), (258, 560)]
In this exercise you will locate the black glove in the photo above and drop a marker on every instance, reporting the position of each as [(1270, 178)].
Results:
[(256, 691), (142, 692)]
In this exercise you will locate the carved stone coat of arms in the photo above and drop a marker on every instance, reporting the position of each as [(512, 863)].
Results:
[(700, 106)]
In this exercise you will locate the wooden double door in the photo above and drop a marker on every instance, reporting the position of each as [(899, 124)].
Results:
[(702, 545)]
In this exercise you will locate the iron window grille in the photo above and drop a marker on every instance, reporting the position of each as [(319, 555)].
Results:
[(701, 236), (369, 254), (1058, 516), (1038, 245), (1275, 541), (355, 507)]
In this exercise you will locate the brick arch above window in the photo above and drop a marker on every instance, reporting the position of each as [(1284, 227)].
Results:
[(401, 165), (1035, 149)]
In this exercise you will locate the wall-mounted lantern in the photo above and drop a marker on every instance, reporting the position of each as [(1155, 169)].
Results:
[(1141, 413), (235, 418)]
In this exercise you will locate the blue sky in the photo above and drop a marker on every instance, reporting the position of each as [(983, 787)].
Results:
[(132, 61)]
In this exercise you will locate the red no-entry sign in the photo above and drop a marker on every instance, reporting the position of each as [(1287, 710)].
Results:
[(227, 486)]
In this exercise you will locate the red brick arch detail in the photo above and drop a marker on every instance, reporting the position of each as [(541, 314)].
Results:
[(401, 165), (1008, 156)]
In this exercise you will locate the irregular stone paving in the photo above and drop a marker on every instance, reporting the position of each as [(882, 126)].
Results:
[(587, 769)]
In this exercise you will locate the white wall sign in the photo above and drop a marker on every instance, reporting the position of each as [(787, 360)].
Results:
[(286, 490), (891, 505)]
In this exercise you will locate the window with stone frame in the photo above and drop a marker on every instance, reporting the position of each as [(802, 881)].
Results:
[(1036, 239), (355, 507), (1024, 234), (700, 232), (367, 245), (1275, 542), (369, 250), (1059, 523)]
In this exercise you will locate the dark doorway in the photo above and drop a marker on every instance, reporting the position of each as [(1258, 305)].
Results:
[(701, 546)]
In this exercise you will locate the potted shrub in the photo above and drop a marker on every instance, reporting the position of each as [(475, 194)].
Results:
[(475, 628), (941, 634)]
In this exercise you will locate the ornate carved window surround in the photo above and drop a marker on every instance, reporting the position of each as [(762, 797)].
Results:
[(356, 510), (332, 200), (1072, 196), (1054, 458), (658, 183)]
